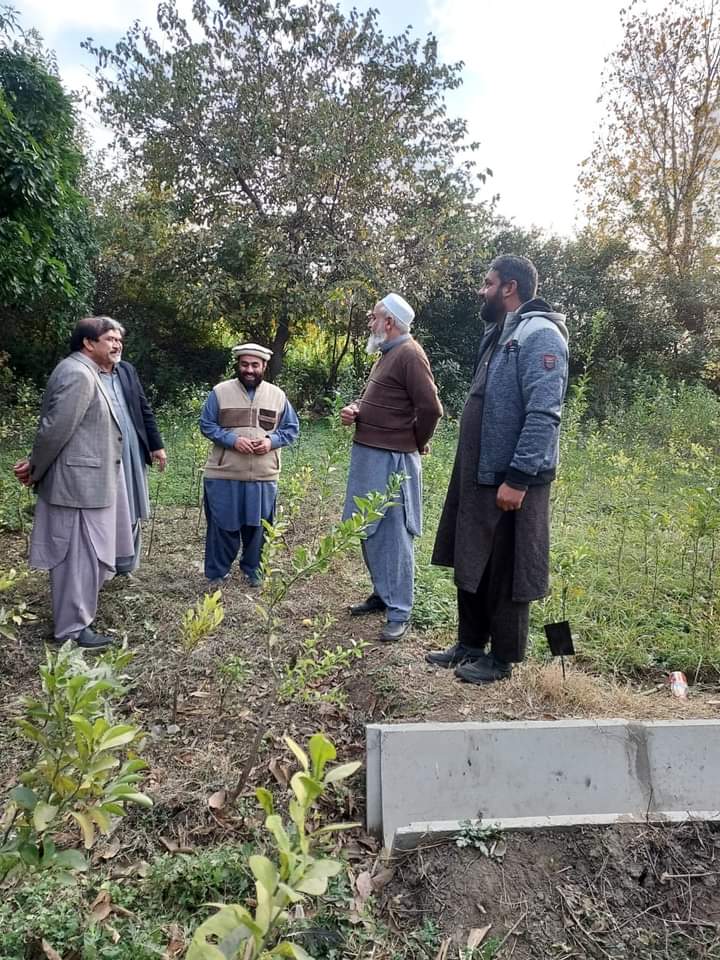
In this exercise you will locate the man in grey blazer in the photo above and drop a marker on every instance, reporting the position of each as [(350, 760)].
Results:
[(82, 518)]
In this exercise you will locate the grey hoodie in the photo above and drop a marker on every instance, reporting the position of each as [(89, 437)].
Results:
[(526, 382)]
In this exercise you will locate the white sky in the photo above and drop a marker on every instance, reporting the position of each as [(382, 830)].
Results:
[(531, 79)]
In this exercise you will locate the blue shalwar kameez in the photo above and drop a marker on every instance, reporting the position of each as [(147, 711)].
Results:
[(235, 509)]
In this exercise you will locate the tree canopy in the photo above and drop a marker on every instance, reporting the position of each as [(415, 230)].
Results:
[(45, 239), (309, 149)]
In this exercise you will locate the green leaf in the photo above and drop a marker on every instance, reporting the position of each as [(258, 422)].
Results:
[(321, 751), (229, 926), (99, 817), (24, 797), (72, 859), (141, 799), (83, 725), (265, 799), (118, 736), (292, 950), (342, 771), (264, 870), (300, 754), (275, 826), (43, 815), (314, 886), (323, 868)]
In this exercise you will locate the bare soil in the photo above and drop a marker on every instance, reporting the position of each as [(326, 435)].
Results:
[(621, 892)]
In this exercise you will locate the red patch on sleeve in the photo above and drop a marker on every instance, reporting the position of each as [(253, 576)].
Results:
[(549, 361)]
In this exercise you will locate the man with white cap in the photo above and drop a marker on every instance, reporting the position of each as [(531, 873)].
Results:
[(394, 420), (248, 421)]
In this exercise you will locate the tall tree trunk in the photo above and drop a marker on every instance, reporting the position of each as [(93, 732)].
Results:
[(279, 344)]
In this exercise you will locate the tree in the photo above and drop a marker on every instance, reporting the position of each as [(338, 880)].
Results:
[(654, 174), (45, 240), (300, 139)]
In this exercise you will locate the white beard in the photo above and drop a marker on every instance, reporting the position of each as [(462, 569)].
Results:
[(374, 341)]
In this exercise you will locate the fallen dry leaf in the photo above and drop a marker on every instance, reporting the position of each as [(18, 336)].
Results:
[(110, 850), (476, 936), (49, 951), (101, 907), (217, 800), (382, 878), (280, 770), (444, 949), (364, 885), (176, 945)]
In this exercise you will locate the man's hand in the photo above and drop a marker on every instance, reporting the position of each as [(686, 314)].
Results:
[(262, 446), (425, 450), (159, 458), (508, 498), (22, 471), (348, 414), (244, 445)]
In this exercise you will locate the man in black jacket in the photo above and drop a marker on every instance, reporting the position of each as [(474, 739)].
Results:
[(142, 443)]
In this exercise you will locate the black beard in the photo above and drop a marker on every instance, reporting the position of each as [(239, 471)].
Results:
[(491, 312), (250, 379)]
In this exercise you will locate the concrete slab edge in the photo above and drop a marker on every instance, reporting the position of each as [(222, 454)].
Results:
[(420, 834)]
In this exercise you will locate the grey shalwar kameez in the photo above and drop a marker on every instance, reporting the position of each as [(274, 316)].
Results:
[(78, 546)]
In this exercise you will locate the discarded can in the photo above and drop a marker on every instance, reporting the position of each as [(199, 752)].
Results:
[(678, 684)]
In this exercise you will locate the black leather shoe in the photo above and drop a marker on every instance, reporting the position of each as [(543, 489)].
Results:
[(371, 605), (454, 655), (394, 630), (90, 640), (487, 670)]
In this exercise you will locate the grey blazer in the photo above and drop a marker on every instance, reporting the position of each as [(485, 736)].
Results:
[(77, 452)]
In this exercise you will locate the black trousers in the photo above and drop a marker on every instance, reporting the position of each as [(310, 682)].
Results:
[(490, 615)]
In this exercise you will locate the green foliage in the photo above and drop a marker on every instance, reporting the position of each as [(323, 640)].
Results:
[(311, 154), (298, 872), (483, 837), (45, 238), (12, 617), (306, 677), (201, 621), (83, 766)]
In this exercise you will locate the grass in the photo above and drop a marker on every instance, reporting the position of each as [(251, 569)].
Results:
[(636, 521)]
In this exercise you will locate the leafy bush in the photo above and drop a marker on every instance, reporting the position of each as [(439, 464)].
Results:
[(82, 767)]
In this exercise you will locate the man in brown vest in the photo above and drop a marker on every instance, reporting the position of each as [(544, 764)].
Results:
[(248, 421)]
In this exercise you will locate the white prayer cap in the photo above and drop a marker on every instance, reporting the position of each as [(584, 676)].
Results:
[(399, 308), (251, 350)]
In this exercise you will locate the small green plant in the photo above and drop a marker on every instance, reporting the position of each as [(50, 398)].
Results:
[(316, 664), (83, 767), (235, 672), (281, 574), (300, 870), (198, 624), (12, 617), (483, 837)]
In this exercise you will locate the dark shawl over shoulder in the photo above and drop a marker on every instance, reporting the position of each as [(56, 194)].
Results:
[(142, 416)]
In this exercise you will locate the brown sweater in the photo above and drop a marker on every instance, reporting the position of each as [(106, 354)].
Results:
[(399, 407)]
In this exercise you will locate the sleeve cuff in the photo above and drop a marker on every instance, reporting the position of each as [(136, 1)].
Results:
[(517, 479)]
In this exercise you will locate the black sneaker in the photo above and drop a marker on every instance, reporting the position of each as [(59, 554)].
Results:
[(371, 605), (487, 670), (90, 640), (454, 655)]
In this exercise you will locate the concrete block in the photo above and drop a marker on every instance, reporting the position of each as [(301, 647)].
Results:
[(532, 773)]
